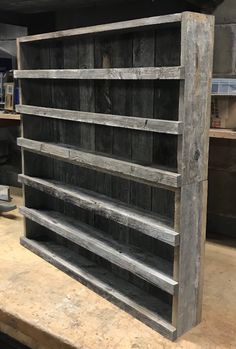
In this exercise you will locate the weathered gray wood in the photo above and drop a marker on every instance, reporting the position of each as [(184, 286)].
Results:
[(103, 135), (4, 193), (160, 73), (119, 26), (121, 146), (123, 162), (192, 164), (86, 58), (142, 142), (192, 214), (104, 163), (142, 124), (112, 209), (195, 98), (166, 100), (122, 293), (96, 242)]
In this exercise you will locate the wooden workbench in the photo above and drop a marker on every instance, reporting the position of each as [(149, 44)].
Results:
[(9, 119), (44, 308), (222, 133)]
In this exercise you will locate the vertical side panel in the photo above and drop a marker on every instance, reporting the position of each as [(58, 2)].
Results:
[(197, 57)]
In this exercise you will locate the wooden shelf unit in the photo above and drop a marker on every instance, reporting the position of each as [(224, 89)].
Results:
[(115, 151)]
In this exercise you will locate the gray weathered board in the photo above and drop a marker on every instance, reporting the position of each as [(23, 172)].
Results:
[(115, 150)]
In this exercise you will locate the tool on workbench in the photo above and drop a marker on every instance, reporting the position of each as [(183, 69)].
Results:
[(5, 204)]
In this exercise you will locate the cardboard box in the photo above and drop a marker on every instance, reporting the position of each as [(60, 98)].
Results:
[(223, 112)]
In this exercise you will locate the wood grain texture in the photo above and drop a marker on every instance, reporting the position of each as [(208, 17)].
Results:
[(160, 73), (197, 56), (105, 164), (142, 124), (140, 220)]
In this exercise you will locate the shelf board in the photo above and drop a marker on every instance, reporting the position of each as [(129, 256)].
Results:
[(146, 73), (140, 304), (130, 122), (151, 268), (151, 225), (105, 164), (222, 133)]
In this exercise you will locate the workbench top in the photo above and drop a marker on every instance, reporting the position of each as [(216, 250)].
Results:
[(58, 312)]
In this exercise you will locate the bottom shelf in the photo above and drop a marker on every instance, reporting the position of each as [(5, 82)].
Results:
[(119, 291)]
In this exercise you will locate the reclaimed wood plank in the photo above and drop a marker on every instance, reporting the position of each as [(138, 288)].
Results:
[(194, 111), (105, 164), (160, 73), (103, 135), (129, 122), (86, 60), (142, 142), (137, 219)]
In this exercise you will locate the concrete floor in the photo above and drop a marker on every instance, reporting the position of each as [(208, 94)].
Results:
[(40, 304)]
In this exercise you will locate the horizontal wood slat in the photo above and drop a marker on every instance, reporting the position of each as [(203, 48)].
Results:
[(132, 171), (135, 123), (162, 73), (111, 27), (95, 241), (122, 293), (112, 209)]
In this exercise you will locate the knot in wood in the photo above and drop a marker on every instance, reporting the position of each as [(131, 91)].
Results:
[(197, 155)]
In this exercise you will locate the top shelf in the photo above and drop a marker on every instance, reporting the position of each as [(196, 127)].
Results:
[(109, 73), (121, 26)]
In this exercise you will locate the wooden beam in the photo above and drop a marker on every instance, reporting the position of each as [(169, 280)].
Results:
[(135, 123), (106, 28), (194, 112), (132, 171), (161, 73), (137, 219)]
